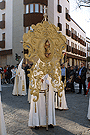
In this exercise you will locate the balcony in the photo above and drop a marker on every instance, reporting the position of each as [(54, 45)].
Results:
[(68, 33), (69, 50), (43, 2), (59, 8), (32, 18), (2, 5), (88, 49), (2, 24), (88, 58), (60, 26), (73, 36), (75, 51), (76, 37), (81, 53), (68, 17), (2, 44), (84, 43)]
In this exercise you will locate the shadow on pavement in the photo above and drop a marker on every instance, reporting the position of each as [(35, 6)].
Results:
[(52, 131), (19, 102)]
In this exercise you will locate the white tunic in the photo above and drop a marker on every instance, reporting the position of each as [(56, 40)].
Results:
[(39, 118)]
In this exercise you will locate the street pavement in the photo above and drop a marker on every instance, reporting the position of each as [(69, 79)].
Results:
[(68, 122)]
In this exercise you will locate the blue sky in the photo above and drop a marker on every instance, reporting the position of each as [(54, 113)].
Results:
[(81, 16)]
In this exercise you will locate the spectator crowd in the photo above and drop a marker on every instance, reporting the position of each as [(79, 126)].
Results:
[(73, 74), (8, 73)]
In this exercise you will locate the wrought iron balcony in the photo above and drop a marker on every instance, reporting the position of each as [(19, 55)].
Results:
[(2, 5), (2, 24), (60, 26), (68, 33), (68, 17), (59, 8), (43, 2), (88, 49), (32, 18), (2, 44)]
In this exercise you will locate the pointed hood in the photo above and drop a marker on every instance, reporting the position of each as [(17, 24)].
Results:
[(20, 65)]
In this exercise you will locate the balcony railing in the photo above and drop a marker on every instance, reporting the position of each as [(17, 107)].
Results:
[(68, 17), (68, 48), (68, 33), (2, 44), (43, 2), (60, 26), (2, 24), (59, 8), (88, 49), (2, 5), (32, 18)]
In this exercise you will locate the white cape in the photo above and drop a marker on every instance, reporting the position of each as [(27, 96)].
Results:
[(2, 122), (63, 104), (20, 83)]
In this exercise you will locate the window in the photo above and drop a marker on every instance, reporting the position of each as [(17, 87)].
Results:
[(67, 26), (67, 42), (31, 8), (75, 32), (72, 30), (44, 8), (27, 29), (3, 36), (72, 44), (27, 9), (76, 46), (67, 11), (36, 8), (3, 17), (41, 9)]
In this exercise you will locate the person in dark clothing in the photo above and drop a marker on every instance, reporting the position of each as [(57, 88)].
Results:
[(67, 72), (82, 77), (9, 75), (70, 81)]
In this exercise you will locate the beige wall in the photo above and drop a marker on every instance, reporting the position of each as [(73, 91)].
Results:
[(18, 10), (51, 11)]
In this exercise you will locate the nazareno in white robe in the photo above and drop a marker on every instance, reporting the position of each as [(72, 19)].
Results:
[(2, 122), (39, 118), (63, 105), (19, 83), (29, 95)]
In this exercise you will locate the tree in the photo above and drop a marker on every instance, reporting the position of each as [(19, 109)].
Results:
[(83, 3)]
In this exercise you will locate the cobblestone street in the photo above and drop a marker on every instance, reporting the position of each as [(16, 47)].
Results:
[(70, 122)]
